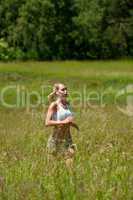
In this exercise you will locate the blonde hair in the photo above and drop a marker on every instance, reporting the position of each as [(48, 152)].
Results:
[(52, 95)]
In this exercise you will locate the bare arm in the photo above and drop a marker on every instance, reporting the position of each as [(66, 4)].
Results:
[(73, 124), (49, 122)]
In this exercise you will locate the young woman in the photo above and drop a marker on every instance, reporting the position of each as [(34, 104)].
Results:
[(59, 116)]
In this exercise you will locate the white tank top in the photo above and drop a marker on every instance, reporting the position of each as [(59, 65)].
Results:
[(62, 113)]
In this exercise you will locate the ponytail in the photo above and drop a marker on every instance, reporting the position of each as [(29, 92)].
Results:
[(52, 95)]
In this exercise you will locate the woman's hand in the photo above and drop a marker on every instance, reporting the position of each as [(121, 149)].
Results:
[(67, 120)]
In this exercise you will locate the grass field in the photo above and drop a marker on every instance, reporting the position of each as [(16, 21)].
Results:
[(103, 167)]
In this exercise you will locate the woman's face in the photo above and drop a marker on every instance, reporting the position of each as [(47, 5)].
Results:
[(62, 91)]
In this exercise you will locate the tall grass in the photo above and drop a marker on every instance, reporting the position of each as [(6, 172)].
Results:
[(104, 158)]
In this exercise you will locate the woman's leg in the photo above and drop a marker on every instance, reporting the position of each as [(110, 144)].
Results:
[(51, 154), (69, 158)]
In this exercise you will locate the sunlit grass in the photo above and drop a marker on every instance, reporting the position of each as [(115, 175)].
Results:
[(104, 159)]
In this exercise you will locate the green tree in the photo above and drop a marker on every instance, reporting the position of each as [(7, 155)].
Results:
[(87, 34), (66, 29), (35, 29), (117, 28)]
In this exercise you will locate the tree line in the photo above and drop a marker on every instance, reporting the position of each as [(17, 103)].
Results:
[(66, 29)]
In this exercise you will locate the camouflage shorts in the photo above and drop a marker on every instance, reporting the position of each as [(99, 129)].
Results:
[(55, 146)]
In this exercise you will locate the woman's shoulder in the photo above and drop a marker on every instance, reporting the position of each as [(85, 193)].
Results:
[(53, 105), (69, 105)]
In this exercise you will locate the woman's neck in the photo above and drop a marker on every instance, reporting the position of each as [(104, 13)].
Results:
[(62, 101)]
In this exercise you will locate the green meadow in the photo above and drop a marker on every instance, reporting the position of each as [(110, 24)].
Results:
[(100, 93)]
